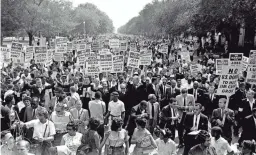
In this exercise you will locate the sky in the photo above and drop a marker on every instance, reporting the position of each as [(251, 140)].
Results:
[(120, 11)]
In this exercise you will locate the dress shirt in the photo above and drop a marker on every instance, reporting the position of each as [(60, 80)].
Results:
[(167, 148), (221, 146), (196, 121), (251, 103)]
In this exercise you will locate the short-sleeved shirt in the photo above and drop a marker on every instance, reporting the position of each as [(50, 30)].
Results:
[(97, 109), (221, 146), (116, 108), (39, 128)]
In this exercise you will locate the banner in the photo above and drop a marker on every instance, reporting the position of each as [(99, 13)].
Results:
[(228, 80), (118, 64), (106, 63), (29, 54), (81, 47), (16, 51), (245, 61), (40, 54), (93, 64), (220, 64), (114, 43), (133, 59)]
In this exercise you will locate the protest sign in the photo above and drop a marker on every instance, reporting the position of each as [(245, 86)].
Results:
[(40, 54), (61, 48), (106, 63), (19, 62), (252, 57), (123, 46), (29, 54), (163, 48), (114, 43), (95, 46), (89, 46), (5, 55), (245, 61), (81, 46), (58, 57), (220, 63), (235, 59), (118, 63), (133, 47), (61, 40), (93, 64), (251, 70), (49, 57), (70, 47), (16, 50), (104, 51), (228, 80), (133, 59), (145, 56), (195, 69)]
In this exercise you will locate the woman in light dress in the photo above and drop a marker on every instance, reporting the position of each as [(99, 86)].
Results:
[(142, 138), (114, 142), (70, 141)]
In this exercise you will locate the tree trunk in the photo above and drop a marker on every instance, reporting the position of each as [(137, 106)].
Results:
[(30, 36)]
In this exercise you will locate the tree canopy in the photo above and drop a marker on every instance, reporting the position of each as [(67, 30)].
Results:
[(192, 16), (52, 17)]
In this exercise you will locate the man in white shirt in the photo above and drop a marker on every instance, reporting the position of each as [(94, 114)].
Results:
[(115, 108), (97, 109), (220, 144), (165, 145)]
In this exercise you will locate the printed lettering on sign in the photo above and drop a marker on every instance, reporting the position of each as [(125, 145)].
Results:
[(228, 80), (220, 63), (40, 54), (118, 64)]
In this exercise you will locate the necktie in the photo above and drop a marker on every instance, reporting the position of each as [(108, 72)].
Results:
[(196, 122), (195, 94), (152, 111), (164, 90), (34, 112), (184, 101), (173, 114)]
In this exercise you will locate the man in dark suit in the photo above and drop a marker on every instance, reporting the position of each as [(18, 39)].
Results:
[(196, 92), (139, 110), (245, 109), (224, 118), (193, 122), (124, 98), (169, 117), (249, 127), (210, 101), (163, 93), (234, 104)]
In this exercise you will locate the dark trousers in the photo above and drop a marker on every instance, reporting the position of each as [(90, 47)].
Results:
[(181, 132), (100, 131)]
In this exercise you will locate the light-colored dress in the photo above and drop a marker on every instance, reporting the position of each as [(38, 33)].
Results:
[(71, 142), (116, 141), (144, 144)]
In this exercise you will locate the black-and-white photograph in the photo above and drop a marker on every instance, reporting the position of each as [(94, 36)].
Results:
[(128, 77)]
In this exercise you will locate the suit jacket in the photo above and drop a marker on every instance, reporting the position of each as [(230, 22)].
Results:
[(28, 114), (161, 90), (166, 113), (249, 128), (189, 122), (156, 110), (35, 90), (200, 93), (190, 103), (135, 95), (210, 103), (229, 119), (236, 100), (245, 108)]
